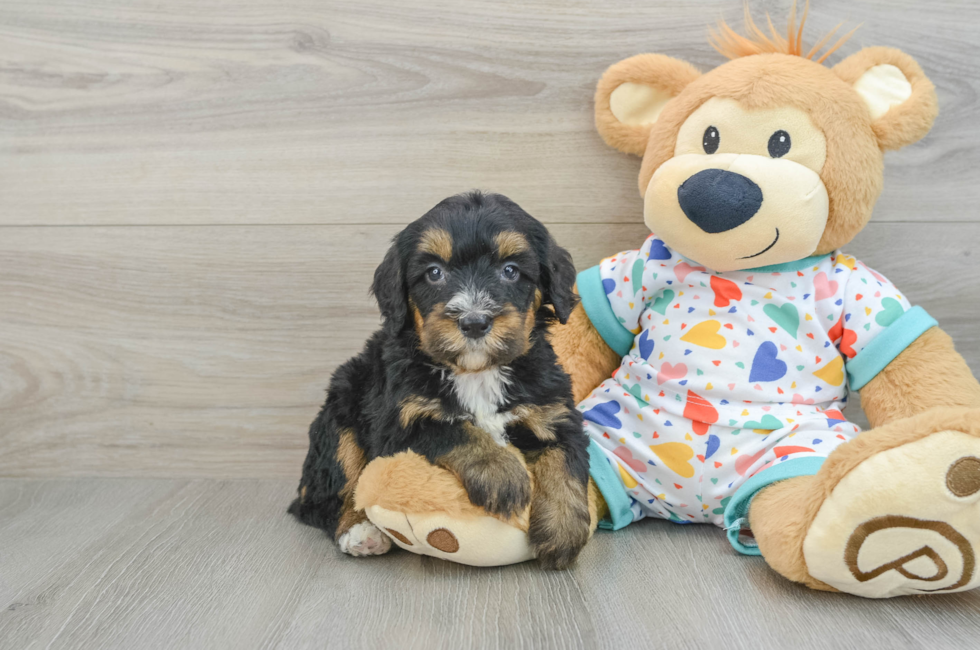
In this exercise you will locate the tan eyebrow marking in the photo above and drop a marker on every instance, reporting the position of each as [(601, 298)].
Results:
[(511, 243), (437, 242)]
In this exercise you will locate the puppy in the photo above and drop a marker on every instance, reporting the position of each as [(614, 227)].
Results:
[(461, 367)]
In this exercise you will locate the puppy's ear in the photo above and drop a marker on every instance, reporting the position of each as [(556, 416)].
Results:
[(390, 291), (558, 280)]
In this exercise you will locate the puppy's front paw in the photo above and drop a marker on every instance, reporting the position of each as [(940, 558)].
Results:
[(364, 538), (558, 530), (499, 484)]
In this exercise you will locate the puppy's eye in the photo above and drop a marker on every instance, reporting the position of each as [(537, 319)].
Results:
[(510, 272), (779, 144), (434, 274), (711, 140)]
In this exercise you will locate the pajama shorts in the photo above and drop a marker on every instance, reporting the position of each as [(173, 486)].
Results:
[(690, 472)]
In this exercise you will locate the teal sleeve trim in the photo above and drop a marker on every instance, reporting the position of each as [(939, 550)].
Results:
[(597, 306), (611, 488), (886, 346), (737, 512)]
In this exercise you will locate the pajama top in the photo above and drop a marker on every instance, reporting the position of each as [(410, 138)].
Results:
[(725, 375)]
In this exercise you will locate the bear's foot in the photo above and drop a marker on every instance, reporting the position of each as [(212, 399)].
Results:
[(894, 512), (904, 521), (425, 510), (476, 541)]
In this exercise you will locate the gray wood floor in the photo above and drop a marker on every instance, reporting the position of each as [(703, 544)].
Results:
[(135, 563), (193, 196)]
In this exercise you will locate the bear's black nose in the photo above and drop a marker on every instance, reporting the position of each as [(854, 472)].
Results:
[(717, 200)]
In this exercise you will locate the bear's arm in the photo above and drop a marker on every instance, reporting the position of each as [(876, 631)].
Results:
[(928, 373), (583, 353)]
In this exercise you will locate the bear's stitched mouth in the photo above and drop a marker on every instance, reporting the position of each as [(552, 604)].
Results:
[(748, 257)]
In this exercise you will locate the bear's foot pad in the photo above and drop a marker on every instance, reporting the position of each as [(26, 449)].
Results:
[(477, 541), (905, 521)]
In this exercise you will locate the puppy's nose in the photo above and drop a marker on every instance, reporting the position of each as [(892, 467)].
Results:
[(475, 326), (718, 200)]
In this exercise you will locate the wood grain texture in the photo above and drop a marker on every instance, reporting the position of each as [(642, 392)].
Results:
[(193, 197), (204, 351), (136, 563), (367, 111), (268, 152)]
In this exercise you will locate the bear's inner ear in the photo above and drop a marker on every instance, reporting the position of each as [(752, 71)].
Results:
[(631, 95), (901, 100), (882, 87), (636, 104)]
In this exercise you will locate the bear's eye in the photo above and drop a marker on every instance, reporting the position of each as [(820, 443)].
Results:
[(711, 140), (779, 144)]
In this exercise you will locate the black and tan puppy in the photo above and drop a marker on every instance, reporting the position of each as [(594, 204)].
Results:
[(461, 368)]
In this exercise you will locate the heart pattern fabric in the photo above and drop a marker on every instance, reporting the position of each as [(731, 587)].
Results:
[(729, 373)]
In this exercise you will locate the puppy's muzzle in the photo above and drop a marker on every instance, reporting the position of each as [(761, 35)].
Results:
[(475, 326)]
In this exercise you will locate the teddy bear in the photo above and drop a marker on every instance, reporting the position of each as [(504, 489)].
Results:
[(712, 363)]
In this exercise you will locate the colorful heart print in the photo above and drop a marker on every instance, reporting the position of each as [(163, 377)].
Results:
[(844, 338), (637, 392), (745, 462), (637, 276), (604, 415), (787, 317), (684, 269), (823, 287), (668, 372), (725, 291), (700, 412), (645, 344), (833, 372), (705, 334), (658, 251), (675, 455), (626, 456), (786, 450), (768, 423), (891, 309), (713, 443), (765, 365), (663, 301)]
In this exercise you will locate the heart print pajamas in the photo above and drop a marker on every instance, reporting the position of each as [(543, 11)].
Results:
[(729, 381)]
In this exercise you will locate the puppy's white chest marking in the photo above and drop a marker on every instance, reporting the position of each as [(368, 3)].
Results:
[(481, 394)]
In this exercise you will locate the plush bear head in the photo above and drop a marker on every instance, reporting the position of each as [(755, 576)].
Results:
[(770, 157)]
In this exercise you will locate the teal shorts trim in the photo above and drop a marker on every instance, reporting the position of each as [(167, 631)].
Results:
[(611, 488), (737, 512), (886, 346), (596, 305)]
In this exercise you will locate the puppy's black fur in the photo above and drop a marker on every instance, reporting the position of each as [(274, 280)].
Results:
[(433, 382)]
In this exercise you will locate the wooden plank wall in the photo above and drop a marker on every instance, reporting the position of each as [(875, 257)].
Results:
[(193, 195)]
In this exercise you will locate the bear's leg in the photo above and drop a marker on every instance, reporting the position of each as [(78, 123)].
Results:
[(779, 525), (425, 510), (895, 511)]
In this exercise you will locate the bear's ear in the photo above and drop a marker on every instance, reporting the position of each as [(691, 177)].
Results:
[(900, 98), (631, 95)]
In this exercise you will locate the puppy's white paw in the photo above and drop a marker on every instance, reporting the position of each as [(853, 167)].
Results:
[(364, 538)]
